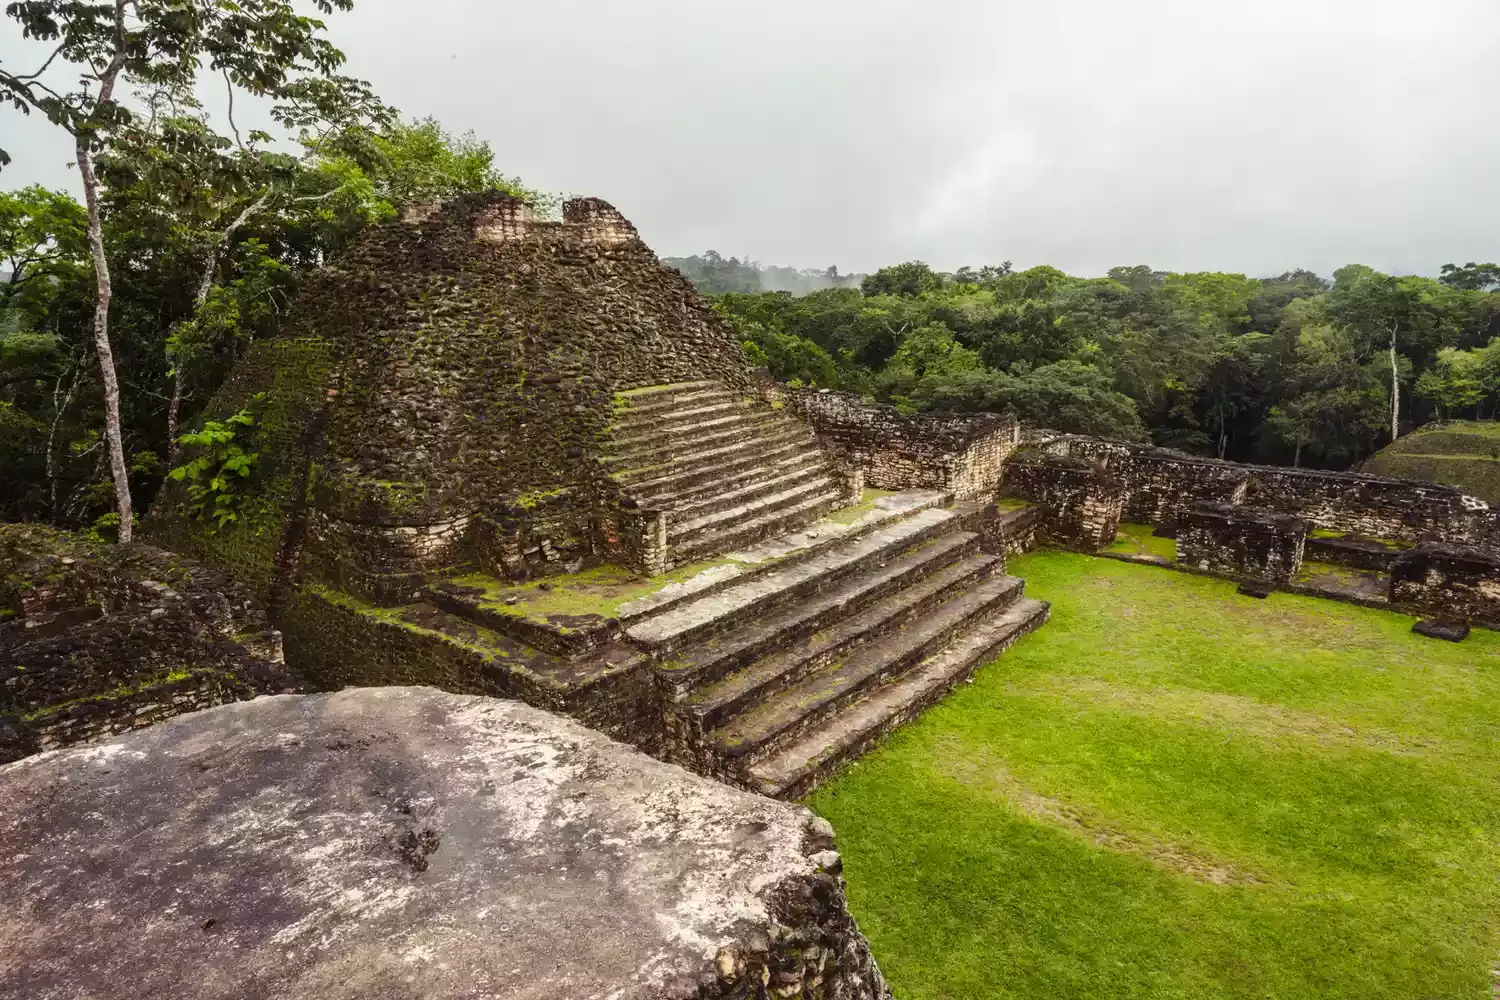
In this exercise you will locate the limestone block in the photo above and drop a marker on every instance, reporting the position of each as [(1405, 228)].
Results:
[(1240, 542), (1449, 581), (404, 842)]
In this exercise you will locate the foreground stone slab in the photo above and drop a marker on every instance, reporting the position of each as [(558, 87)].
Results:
[(403, 843)]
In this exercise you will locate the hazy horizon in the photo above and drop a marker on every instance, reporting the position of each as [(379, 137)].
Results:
[(1249, 138)]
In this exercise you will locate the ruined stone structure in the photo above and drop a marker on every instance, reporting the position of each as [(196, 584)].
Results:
[(1242, 543), (97, 640), (1415, 546), (445, 393), (1163, 485), (1081, 503), (402, 842), (1449, 581), (476, 416), (961, 453)]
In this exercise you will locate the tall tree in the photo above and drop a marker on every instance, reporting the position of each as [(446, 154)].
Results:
[(263, 47)]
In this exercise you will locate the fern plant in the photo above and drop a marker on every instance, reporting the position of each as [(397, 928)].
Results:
[(223, 463)]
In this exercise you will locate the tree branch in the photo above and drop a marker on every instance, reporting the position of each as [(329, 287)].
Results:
[(229, 88), (39, 72)]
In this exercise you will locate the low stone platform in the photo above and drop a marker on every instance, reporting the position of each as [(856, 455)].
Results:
[(402, 843), (100, 639), (768, 667)]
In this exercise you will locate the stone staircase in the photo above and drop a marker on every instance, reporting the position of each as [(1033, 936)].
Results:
[(726, 469), (773, 681)]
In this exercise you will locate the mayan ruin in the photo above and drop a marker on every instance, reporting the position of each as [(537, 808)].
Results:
[(421, 583)]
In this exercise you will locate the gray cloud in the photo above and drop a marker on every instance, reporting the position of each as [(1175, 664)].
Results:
[(1081, 133)]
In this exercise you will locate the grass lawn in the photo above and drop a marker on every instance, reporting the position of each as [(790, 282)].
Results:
[(1174, 791), (1139, 540)]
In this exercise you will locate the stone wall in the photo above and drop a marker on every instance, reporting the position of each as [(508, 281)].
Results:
[(337, 642), (1080, 504), (961, 452), (1449, 581), (97, 640), (1242, 543), (1164, 485), (1358, 553), (405, 842)]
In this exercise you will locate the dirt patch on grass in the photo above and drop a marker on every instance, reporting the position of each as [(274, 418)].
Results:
[(1236, 713), (993, 777), (1211, 608)]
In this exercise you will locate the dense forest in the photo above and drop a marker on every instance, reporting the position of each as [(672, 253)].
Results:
[(1295, 369)]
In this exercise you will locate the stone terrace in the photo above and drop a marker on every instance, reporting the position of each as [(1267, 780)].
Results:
[(767, 668)]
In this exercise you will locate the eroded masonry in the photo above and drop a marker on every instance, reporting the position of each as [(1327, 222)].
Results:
[(515, 457), (504, 456)]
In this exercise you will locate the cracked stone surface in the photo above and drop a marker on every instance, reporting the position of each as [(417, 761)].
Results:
[(403, 843)]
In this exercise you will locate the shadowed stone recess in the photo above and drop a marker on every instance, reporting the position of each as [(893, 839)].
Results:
[(402, 843)]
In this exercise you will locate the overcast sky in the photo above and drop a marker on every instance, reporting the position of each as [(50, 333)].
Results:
[(1242, 135)]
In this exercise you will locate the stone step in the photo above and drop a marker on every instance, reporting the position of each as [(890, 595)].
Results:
[(630, 423), (710, 465), (761, 634), (640, 402), (775, 554), (682, 531), (728, 535), (713, 705), (797, 769), (779, 721), (725, 495), (670, 390), (699, 619), (655, 449), (805, 461)]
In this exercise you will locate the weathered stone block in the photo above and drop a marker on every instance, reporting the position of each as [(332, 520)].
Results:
[(1081, 504), (963, 453), (1239, 542), (403, 842), (1436, 628), (1449, 581)]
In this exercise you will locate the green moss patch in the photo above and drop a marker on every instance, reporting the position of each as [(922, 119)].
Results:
[(1138, 540), (598, 592), (1172, 791), (854, 512)]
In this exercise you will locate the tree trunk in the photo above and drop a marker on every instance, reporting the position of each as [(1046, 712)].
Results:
[(59, 407), (1395, 390), (1297, 455), (205, 285), (112, 433)]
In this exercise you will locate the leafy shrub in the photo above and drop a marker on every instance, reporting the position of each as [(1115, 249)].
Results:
[(213, 475)]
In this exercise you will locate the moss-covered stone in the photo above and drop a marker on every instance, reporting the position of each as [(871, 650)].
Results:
[(102, 639)]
